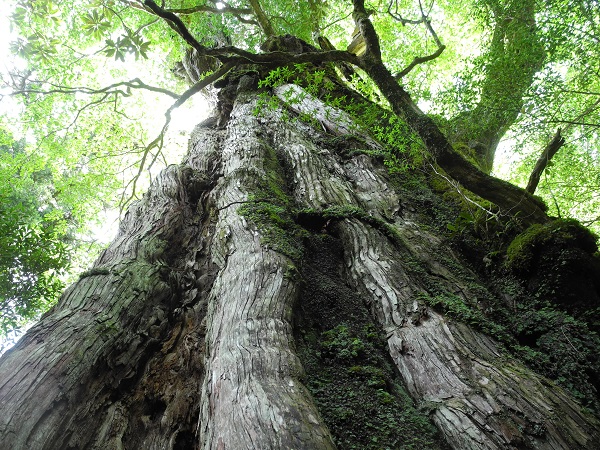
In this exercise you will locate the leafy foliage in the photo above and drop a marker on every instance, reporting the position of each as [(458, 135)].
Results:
[(34, 237)]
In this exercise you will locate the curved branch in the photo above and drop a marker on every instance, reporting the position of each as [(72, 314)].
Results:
[(547, 154), (419, 60), (136, 83), (158, 141), (234, 55), (178, 26), (396, 15), (508, 197)]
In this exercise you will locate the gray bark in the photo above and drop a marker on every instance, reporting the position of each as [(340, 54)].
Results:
[(481, 397), (181, 335)]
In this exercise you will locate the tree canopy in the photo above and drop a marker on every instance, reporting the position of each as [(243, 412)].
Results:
[(88, 93)]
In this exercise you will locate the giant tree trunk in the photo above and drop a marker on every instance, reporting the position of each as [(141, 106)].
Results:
[(182, 335)]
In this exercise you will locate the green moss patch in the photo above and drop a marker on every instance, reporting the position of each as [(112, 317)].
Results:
[(269, 209), (522, 252), (346, 361)]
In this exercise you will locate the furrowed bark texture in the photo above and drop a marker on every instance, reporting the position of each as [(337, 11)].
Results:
[(118, 361), (480, 397), (181, 334), (252, 397)]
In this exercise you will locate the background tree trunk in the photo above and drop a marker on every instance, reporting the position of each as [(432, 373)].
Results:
[(182, 335)]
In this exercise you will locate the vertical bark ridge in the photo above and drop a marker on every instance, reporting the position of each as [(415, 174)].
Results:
[(481, 398), (252, 398), (89, 374), (461, 374)]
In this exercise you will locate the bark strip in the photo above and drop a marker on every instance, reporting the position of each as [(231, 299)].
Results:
[(113, 364), (253, 398)]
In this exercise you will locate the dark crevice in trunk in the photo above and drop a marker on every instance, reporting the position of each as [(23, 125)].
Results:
[(348, 368)]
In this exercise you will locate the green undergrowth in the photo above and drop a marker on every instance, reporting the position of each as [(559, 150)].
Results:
[(555, 300), (346, 361), (455, 307), (543, 301)]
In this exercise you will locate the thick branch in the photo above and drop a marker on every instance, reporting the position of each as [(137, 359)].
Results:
[(366, 29), (549, 151), (178, 26), (508, 197), (234, 55), (515, 55), (262, 18), (229, 54)]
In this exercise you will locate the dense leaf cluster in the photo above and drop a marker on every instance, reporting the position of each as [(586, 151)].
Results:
[(34, 238)]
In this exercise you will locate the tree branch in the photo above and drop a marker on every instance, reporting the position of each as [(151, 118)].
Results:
[(158, 141), (178, 26), (420, 59), (263, 20), (211, 9), (136, 83), (396, 15), (555, 144), (508, 197), (234, 55), (547, 154), (366, 29)]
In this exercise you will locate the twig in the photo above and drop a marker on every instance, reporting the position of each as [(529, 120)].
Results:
[(456, 186), (241, 202), (420, 59), (136, 83), (158, 142)]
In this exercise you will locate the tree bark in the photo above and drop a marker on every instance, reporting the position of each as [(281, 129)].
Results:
[(181, 335), (547, 154)]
